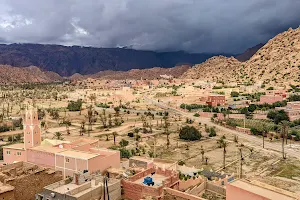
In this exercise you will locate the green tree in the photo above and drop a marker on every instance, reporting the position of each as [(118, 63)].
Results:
[(278, 116), (75, 105), (189, 133), (252, 108), (234, 94)]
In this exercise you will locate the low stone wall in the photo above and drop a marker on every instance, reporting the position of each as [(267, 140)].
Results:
[(206, 114), (244, 130), (216, 189), (259, 116), (170, 194), (236, 116)]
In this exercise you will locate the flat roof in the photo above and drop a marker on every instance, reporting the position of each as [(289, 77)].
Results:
[(264, 192), (78, 154), (19, 146), (83, 141), (48, 149), (156, 178)]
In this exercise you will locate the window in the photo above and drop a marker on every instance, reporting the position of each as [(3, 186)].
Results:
[(8, 152), (19, 153), (28, 141), (67, 160)]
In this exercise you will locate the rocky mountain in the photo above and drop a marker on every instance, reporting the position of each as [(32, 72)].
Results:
[(151, 73), (32, 74), (277, 63), (217, 68), (68, 60), (249, 53)]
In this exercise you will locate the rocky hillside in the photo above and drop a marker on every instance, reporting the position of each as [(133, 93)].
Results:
[(9, 74), (249, 53), (151, 73), (217, 68), (66, 60), (276, 63)]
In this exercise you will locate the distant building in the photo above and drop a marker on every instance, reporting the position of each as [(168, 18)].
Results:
[(270, 99), (292, 109), (277, 93), (216, 100), (68, 157)]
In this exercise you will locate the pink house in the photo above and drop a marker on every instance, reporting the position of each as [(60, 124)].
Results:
[(270, 99), (76, 156), (292, 109), (216, 100), (245, 190)]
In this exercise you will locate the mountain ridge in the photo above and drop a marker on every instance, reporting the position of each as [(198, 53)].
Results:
[(68, 60)]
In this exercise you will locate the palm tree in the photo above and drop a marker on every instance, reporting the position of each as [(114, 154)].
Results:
[(284, 131), (206, 160), (82, 128), (114, 135), (236, 139), (58, 135), (92, 97), (202, 153), (223, 144)]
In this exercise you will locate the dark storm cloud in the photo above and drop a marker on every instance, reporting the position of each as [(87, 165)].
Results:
[(192, 25)]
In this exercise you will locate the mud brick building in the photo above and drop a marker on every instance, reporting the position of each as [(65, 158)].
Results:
[(21, 181)]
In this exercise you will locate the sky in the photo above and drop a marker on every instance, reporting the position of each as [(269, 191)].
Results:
[(214, 26)]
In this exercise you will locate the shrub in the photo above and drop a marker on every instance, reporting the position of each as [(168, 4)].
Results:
[(4, 128), (125, 153), (75, 105), (190, 133), (123, 143), (234, 94), (212, 132), (196, 115), (130, 134), (181, 162)]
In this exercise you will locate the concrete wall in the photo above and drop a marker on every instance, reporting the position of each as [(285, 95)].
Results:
[(270, 99), (104, 162), (41, 158), (73, 165), (12, 157)]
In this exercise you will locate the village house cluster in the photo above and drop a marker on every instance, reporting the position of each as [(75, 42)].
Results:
[(81, 170)]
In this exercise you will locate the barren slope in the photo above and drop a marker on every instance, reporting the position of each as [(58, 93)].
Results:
[(217, 68), (32, 74), (277, 63)]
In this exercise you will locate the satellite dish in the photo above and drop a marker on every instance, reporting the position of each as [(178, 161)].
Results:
[(60, 146)]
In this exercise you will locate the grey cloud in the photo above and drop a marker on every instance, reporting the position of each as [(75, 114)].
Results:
[(228, 26)]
